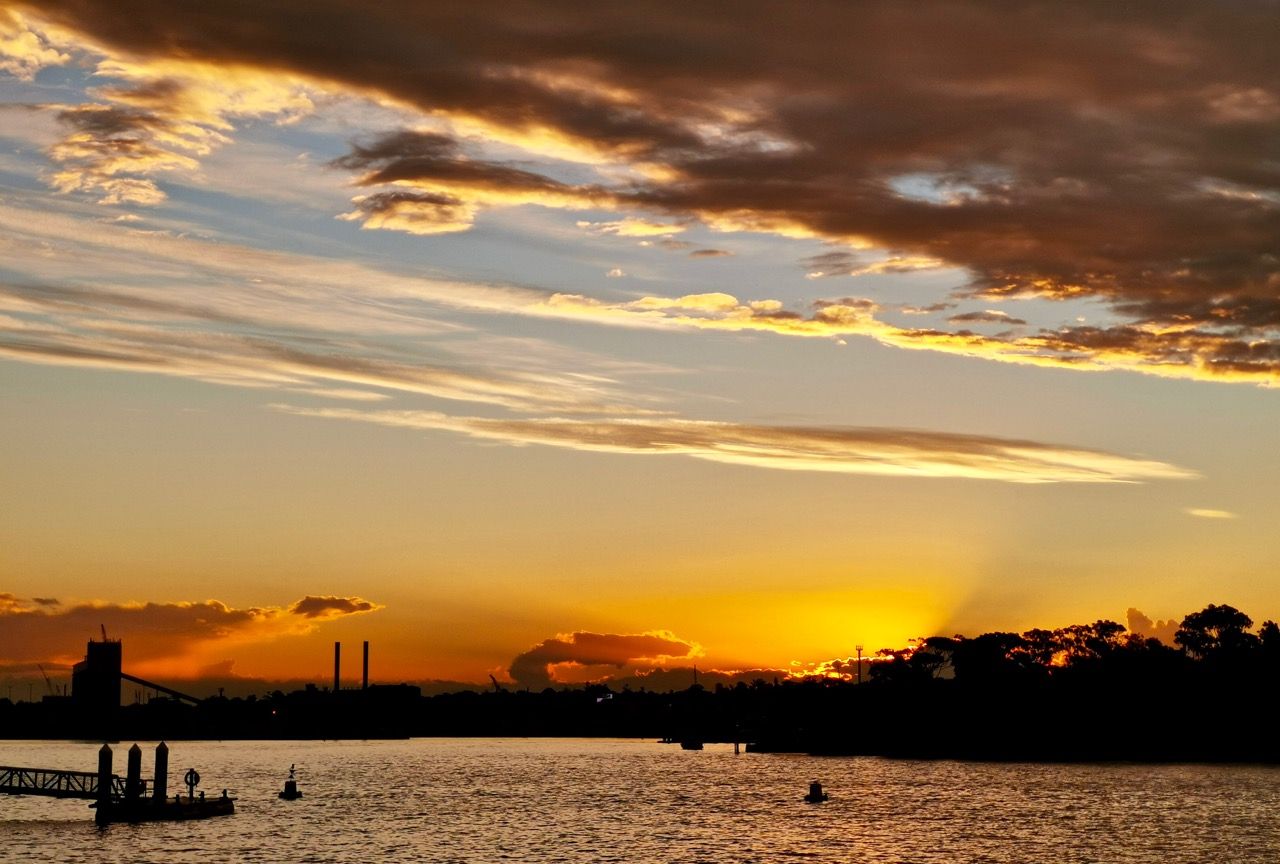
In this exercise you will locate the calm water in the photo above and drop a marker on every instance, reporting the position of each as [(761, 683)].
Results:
[(548, 801)]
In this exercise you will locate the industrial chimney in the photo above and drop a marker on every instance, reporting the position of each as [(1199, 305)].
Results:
[(337, 664), (364, 682)]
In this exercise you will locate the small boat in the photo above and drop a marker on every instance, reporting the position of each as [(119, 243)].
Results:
[(290, 791), (690, 745)]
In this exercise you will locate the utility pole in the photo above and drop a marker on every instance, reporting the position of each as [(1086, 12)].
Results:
[(859, 664)]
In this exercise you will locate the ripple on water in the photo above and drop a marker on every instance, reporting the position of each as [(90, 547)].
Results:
[(476, 801)]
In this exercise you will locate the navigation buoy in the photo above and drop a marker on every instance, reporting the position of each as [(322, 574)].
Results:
[(290, 791), (816, 795)]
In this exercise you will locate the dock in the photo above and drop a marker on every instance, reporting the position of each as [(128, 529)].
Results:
[(117, 799)]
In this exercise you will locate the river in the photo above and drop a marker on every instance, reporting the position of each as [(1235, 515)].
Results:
[(540, 800)]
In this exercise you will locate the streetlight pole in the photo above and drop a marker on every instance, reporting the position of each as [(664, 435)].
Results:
[(859, 664)]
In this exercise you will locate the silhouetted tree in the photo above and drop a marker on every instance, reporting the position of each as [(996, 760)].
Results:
[(990, 658), (1086, 642), (1040, 647), (1216, 633)]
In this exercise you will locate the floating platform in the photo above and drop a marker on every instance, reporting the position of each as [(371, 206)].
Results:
[(169, 810)]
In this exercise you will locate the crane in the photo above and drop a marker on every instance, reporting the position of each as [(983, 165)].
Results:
[(47, 682)]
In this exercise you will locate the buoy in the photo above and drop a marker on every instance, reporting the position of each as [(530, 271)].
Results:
[(290, 791), (816, 795)]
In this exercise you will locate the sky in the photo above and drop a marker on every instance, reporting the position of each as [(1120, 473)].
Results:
[(556, 341)]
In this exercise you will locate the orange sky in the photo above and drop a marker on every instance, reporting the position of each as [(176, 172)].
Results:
[(771, 334)]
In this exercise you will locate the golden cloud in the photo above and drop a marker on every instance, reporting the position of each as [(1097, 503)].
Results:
[(892, 452), (24, 50)]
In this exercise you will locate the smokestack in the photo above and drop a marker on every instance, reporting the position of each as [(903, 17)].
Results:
[(337, 664), (364, 683)]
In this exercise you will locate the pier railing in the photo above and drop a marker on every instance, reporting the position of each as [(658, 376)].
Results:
[(55, 784)]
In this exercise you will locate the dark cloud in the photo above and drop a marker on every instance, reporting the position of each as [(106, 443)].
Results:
[(45, 601), (987, 316), (859, 303), (709, 253), (828, 264), (926, 310), (536, 667), (110, 148), (328, 606), (1120, 152), (153, 631), (425, 158)]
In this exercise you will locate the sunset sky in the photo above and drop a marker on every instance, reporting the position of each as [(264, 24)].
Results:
[(523, 335)]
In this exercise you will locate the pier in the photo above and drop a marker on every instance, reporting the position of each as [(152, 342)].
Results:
[(54, 784), (117, 799)]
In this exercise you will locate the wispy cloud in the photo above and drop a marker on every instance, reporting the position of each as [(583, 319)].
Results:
[(1206, 513), (1173, 352), (896, 452), (164, 302)]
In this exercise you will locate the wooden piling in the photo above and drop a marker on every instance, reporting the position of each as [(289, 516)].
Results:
[(160, 785)]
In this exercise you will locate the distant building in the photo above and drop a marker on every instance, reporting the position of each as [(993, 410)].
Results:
[(95, 680)]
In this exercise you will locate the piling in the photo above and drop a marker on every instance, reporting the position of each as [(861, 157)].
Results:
[(133, 780), (160, 786), (104, 778)]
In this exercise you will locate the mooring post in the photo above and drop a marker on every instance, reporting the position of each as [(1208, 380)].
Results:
[(104, 784), (160, 786), (133, 779)]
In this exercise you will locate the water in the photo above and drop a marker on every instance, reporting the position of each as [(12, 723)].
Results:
[(480, 801)]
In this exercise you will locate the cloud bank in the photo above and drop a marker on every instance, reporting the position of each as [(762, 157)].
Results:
[(1119, 154), (157, 635), (537, 667)]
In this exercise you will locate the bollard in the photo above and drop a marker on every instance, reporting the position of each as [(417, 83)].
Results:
[(104, 781), (133, 779), (160, 787)]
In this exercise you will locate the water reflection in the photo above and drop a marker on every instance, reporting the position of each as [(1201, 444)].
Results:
[(522, 800)]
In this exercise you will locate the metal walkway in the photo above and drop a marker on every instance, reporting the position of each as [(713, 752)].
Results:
[(55, 784)]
